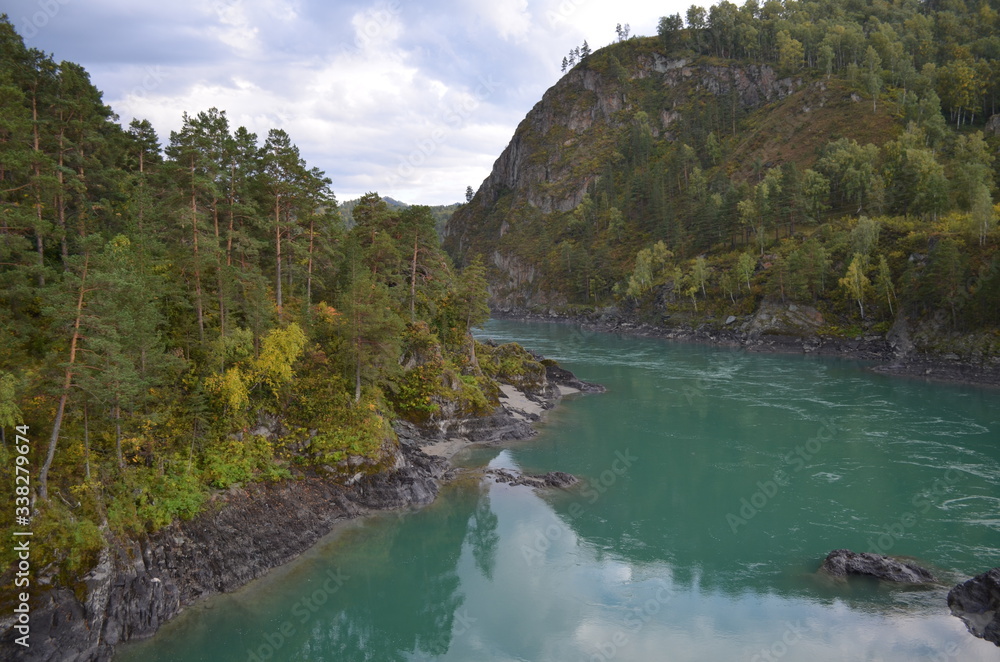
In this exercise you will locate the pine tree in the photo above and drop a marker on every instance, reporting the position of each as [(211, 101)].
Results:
[(192, 168), (10, 413), (79, 289), (282, 169), (372, 328)]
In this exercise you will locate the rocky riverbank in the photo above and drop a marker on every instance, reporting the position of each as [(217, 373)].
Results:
[(138, 585), (790, 328)]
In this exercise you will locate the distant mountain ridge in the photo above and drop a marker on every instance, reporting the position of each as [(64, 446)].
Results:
[(441, 213)]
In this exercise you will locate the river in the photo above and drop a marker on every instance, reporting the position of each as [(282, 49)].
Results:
[(714, 483)]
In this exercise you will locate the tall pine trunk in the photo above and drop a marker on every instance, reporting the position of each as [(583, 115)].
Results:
[(43, 476), (277, 246), (39, 242), (413, 280), (199, 312), (309, 265), (220, 283)]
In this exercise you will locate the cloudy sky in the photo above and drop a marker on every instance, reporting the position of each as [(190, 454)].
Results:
[(414, 100)]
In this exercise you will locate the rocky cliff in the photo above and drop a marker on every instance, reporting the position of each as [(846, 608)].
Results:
[(568, 141)]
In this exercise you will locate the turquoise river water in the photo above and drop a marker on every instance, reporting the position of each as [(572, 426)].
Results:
[(713, 484)]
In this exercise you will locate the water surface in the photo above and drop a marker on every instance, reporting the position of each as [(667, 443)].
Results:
[(714, 483)]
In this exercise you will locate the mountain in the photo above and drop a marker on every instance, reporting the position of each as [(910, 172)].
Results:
[(814, 155)]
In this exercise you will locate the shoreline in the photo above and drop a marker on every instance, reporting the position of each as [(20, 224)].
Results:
[(138, 585), (892, 354)]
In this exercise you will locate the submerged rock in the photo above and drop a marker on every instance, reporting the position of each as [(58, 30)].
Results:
[(551, 479), (555, 374), (844, 563), (977, 603)]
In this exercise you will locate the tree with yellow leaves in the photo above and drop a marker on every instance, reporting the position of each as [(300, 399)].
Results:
[(856, 283)]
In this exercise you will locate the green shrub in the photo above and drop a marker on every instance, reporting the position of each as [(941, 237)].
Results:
[(512, 364), (148, 498), (242, 461), (65, 537)]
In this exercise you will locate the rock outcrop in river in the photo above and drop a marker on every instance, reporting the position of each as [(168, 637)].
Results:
[(977, 602), (547, 480), (844, 563)]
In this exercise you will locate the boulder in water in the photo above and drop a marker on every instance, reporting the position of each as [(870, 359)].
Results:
[(977, 603), (551, 479), (844, 563)]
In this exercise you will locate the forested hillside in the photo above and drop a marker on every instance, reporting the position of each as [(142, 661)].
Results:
[(441, 213), (838, 155), (168, 308)]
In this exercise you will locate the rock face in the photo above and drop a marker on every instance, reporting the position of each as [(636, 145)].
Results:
[(138, 586), (564, 143), (993, 125), (977, 602), (844, 563)]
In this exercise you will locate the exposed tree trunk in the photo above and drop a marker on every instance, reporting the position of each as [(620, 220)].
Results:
[(357, 372), (43, 476), (220, 282), (413, 280), (309, 266), (61, 205), (277, 246), (39, 243), (197, 259), (86, 441), (118, 434), (232, 214)]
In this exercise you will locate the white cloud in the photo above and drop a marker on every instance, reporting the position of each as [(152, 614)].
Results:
[(413, 100), (511, 18), (233, 27), (376, 28)]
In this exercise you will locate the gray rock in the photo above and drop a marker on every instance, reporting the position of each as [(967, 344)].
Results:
[(977, 603), (557, 479), (555, 374), (993, 125), (845, 563)]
